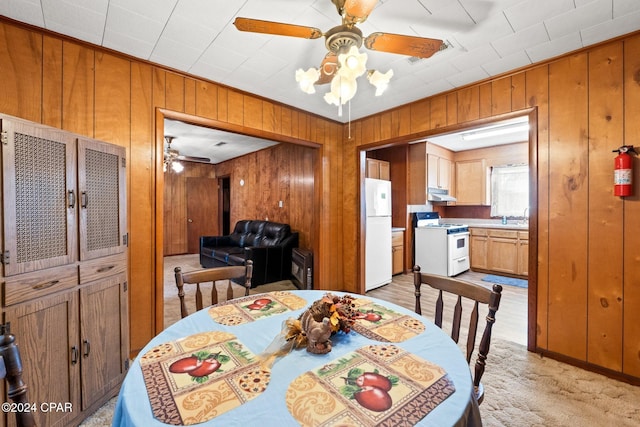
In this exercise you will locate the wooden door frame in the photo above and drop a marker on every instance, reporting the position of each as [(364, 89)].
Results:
[(532, 115), (160, 115)]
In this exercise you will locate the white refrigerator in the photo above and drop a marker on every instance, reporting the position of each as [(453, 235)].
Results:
[(378, 262)]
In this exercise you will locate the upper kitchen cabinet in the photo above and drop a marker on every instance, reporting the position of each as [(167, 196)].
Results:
[(471, 182), (378, 169), (429, 167)]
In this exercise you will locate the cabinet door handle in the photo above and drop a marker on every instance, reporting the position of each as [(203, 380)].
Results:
[(74, 355), (84, 199), (87, 348), (72, 199), (45, 285), (106, 268)]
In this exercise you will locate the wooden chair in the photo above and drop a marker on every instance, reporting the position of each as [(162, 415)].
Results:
[(478, 295), (243, 272), (11, 371)]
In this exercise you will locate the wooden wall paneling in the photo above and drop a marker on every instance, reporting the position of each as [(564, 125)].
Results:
[(420, 116), (235, 107), (606, 118), (21, 70), (285, 121), (112, 111), (386, 130), (484, 101), (223, 104), (189, 96), (142, 295), (206, 100), (568, 193), (270, 117), (438, 112), (518, 92), (252, 110), (51, 82), (537, 95), (452, 108), (631, 206), (77, 88), (468, 104), (377, 127), (501, 96), (351, 264), (174, 92), (404, 119), (367, 134), (159, 88)]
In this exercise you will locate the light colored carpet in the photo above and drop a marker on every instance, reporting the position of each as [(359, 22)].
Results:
[(521, 388)]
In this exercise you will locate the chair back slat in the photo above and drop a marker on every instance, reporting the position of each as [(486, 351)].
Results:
[(16, 387), (242, 273), (476, 294)]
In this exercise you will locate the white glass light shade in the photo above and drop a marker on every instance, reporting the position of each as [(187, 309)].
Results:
[(177, 167), (353, 64), (380, 80), (342, 90), (307, 79)]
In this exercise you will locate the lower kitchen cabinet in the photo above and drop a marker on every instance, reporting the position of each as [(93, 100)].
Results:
[(500, 251), (397, 252), (74, 347)]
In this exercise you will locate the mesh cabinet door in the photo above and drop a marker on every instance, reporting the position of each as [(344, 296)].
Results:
[(102, 199), (39, 195)]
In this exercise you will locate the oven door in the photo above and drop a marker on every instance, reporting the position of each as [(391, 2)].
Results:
[(458, 251)]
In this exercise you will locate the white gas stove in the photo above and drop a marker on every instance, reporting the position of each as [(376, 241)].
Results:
[(441, 249)]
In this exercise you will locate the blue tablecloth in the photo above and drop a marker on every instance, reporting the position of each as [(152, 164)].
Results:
[(133, 407)]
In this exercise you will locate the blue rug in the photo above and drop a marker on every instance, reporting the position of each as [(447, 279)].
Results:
[(502, 280)]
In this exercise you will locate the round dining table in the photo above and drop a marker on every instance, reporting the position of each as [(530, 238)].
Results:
[(393, 368)]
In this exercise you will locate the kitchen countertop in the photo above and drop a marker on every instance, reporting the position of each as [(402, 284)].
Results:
[(487, 223)]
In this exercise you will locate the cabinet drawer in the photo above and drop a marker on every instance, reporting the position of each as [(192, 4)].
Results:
[(37, 284), (478, 231), (102, 267), (523, 235), (397, 238), (505, 234)]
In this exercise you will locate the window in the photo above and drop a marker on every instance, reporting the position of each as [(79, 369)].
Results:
[(509, 190)]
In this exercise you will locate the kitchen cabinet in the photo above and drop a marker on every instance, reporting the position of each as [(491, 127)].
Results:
[(426, 170), (378, 169), (64, 265), (471, 182), (438, 172), (503, 251), (397, 252)]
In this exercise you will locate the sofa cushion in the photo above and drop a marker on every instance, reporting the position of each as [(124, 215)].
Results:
[(273, 234)]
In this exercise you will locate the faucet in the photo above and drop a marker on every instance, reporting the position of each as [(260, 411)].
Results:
[(525, 218)]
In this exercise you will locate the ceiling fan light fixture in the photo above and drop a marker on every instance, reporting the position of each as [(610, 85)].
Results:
[(177, 167), (307, 79), (379, 80), (353, 64)]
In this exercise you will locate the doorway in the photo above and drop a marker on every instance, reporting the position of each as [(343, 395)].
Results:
[(224, 205)]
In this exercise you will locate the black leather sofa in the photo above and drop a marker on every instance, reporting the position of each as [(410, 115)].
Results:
[(268, 244)]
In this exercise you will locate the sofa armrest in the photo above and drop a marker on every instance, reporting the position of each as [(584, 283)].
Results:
[(271, 263)]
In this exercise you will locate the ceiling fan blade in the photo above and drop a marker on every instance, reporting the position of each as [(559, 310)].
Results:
[(195, 159), (405, 45), (276, 28), (328, 68), (356, 11)]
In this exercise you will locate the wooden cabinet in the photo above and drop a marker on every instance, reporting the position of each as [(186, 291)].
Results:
[(438, 172), (397, 252), (479, 248), (378, 169), (500, 250), (471, 182), (426, 170), (64, 265)]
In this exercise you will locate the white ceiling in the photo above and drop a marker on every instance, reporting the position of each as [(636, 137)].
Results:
[(198, 37)]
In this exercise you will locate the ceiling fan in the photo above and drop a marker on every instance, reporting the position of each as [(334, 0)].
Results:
[(171, 156), (340, 40)]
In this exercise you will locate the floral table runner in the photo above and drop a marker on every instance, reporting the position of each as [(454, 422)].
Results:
[(248, 309), (381, 385), (383, 324), (199, 377)]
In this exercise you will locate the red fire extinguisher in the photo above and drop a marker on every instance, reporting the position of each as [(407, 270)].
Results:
[(623, 171)]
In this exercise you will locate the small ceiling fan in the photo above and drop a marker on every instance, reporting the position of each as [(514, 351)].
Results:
[(171, 155), (341, 38)]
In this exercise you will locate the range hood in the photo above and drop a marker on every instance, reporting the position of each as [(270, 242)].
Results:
[(439, 195)]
